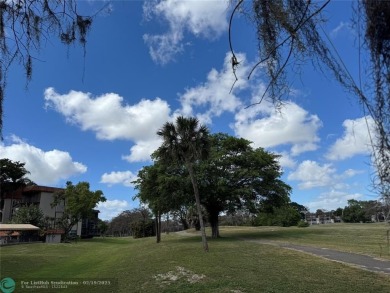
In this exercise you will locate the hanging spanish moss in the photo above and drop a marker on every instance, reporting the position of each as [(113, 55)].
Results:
[(289, 33), (24, 23), (376, 20)]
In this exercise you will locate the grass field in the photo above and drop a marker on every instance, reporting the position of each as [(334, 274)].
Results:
[(178, 264), (369, 239)]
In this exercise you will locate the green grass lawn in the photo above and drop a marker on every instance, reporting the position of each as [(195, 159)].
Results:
[(369, 239), (178, 264)]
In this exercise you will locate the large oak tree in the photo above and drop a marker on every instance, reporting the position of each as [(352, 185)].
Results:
[(237, 176)]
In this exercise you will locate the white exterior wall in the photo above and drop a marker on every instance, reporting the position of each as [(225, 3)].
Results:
[(6, 210), (53, 238), (44, 204), (46, 199)]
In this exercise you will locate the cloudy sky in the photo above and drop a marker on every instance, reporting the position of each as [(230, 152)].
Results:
[(95, 119)]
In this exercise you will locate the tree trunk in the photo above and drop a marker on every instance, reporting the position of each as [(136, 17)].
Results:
[(197, 223), (197, 200), (214, 223), (167, 225), (184, 223), (158, 227)]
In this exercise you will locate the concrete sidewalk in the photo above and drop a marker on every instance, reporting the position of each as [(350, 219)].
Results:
[(357, 260)]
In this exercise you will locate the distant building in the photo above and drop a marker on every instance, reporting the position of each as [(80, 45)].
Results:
[(43, 197), (325, 218)]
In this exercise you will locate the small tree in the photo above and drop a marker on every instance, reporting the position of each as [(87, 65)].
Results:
[(103, 227), (161, 188), (79, 202), (29, 215)]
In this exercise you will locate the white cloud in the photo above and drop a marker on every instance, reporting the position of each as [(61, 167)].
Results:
[(107, 117), (311, 175), (286, 161), (269, 127), (342, 27), (121, 177), (45, 167), (111, 208), (142, 150), (163, 48), (200, 18), (110, 119), (332, 200), (355, 140), (214, 94), (350, 173)]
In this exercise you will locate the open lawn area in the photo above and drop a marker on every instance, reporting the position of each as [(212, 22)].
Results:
[(178, 263), (370, 239)]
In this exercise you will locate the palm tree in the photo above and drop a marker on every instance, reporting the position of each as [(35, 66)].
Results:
[(186, 142)]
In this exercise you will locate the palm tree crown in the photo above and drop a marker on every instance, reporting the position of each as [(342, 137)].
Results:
[(186, 141)]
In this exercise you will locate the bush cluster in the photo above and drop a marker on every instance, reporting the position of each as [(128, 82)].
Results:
[(141, 229), (284, 216), (303, 224)]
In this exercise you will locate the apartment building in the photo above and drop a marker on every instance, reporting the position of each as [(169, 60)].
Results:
[(43, 197)]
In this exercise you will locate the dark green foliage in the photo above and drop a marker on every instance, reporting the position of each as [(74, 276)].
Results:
[(102, 226), (142, 229), (355, 212), (79, 202), (303, 224), (300, 208), (165, 188), (284, 216), (238, 177), (186, 143), (338, 212), (29, 215), (12, 176)]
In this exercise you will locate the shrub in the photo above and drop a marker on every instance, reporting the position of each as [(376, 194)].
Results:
[(141, 229), (285, 216), (303, 224)]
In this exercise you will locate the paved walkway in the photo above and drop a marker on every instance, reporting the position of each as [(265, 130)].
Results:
[(357, 260)]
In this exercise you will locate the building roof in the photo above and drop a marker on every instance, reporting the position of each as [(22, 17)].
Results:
[(31, 189), (9, 233), (39, 188), (17, 227)]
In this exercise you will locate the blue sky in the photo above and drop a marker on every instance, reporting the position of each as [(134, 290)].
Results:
[(95, 118)]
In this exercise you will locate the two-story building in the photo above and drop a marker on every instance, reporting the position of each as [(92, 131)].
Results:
[(43, 197)]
